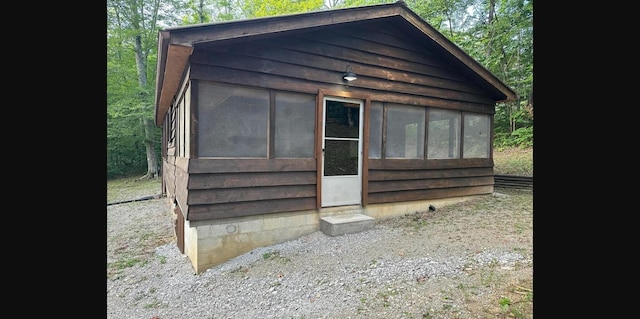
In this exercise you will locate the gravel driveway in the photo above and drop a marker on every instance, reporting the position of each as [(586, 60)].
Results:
[(466, 260)]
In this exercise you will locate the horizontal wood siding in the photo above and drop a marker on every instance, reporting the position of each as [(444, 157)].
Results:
[(256, 179), (238, 209), (231, 195), (406, 180), (221, 188), (402, 196), (168, 176), (174, 173), (181, 181), (390, 65), (235, 165)]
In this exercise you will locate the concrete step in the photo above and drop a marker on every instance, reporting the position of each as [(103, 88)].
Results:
[(346, 224)]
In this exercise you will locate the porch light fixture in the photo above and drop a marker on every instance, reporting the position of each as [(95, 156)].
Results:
[(349, 75)]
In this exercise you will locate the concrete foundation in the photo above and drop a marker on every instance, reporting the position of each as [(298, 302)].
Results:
[(210, 243)]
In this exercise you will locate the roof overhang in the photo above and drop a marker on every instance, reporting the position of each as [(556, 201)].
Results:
[(175, 45), (172, 60)]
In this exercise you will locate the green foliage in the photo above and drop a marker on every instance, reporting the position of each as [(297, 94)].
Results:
[(504, 303), (447, 16), (522, 137), (358, 3), (132, 27), (264, 8), (513, 129), (126, 150), (207, 11), (196, 12)]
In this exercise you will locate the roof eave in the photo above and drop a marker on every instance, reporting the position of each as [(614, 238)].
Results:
[(168, 76), (161, 64)]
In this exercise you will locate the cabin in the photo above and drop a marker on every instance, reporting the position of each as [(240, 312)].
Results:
[(276, 126)]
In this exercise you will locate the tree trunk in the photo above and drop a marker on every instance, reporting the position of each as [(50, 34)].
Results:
[(152, 159), (141, 62), (153, 168)]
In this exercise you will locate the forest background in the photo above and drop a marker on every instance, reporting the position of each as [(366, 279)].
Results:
[(496, 33)]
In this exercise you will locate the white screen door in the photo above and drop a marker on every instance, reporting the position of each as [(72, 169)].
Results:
[(342, 152)]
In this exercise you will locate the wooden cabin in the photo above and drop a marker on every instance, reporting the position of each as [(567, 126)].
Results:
[(263, 136)]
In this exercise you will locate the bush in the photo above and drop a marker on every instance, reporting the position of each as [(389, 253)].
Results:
[(522, 138)]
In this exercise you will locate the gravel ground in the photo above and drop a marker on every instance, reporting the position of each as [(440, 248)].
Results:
[(466, 260)]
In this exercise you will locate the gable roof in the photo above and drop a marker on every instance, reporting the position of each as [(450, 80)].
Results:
[(175, 45)]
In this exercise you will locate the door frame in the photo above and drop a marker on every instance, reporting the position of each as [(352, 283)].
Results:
[(366, 104)]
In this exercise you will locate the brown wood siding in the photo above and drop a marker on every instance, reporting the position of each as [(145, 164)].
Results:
[(238, 209), (168, 176), (175, 178), (390, 67), (181, 181), (231, 195), (428, 194), (221, 188), (416, 184), (406, 180), (257, 179)]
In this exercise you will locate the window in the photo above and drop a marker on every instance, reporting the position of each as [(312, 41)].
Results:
[(185, 124), (181, 131), (405, 131), (294, 125), (443, 134), (477, 136), (233, 120), (375, 130), (172, 126)]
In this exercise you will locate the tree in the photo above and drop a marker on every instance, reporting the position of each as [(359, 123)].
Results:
[(197, 12), (132, 39), (508, 44), (263, 8)]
